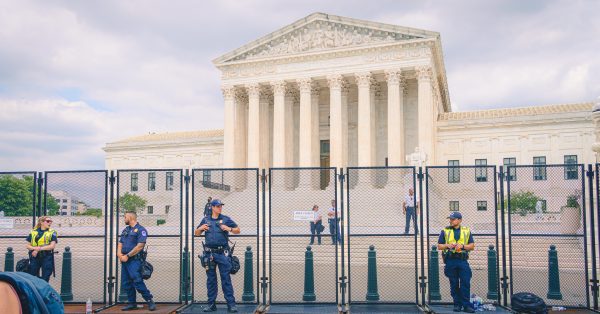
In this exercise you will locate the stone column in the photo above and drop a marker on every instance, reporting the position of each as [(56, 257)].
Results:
[(309, 131), (253, 125), (338, 138), (241, 128), (229, 127), (366, 135), (596, 119), (265, 102), (280, 117), (395, 137), (425, 108)]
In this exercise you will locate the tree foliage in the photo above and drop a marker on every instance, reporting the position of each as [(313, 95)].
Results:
[(16, 196), (131, 203), (91, 212), (523, 202)]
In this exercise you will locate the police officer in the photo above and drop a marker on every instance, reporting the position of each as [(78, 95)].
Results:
[(40, 243), (333, 219), (217, 228), (133, 239), (455, 242), (208, 207)]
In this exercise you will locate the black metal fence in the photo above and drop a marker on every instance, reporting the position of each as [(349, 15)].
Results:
[(536, 225)]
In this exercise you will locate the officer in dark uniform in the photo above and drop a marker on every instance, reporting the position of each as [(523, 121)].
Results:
[(217, 228), (208, 207), (41, 242), (455, 242), (133, 239)]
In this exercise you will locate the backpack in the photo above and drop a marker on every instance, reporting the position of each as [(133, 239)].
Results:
[(23, 265), (35, 294), (235, 261), (147, 268), (525, 302)]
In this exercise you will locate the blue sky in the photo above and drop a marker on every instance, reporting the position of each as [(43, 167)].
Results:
[(75, 75)]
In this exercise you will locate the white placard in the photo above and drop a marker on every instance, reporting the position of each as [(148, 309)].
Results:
[(304, 215), (7, 223)]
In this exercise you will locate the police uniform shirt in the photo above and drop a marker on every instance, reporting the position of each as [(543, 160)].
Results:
[(442, 239), (40, 233), (409, 200), (332, 210), (130, 237), (214, 236)]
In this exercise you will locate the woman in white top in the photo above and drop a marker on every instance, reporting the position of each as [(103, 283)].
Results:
[(316, 226)]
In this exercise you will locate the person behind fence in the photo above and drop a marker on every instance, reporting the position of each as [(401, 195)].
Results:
[(41, 242), (208, 207), (410, 208), (333, 223), (132, 242), (455, 242), (216, 254), (316, 226)]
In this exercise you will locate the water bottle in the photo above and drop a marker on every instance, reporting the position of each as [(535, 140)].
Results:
[(88, 306)]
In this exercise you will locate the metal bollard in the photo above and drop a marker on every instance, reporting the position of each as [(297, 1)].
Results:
[(309, 276), (553, 275), (66, 280), (9, 260), (248, 294), (372, 293), (186, 293), (434, 274), (492, 274)]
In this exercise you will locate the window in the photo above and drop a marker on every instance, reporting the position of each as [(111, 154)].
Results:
[(206, 176), (511, 175), (169, 184), (64, 207), (454, 206), (481, 205), (151, 181), (325, 148), (64, 200), (481, 172), (571, 172), (167, 208), (543, 206), (150, 209), (134, 182), (539, 173), (453, 171)]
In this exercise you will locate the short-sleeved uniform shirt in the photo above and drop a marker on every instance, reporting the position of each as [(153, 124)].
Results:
[(39, 236), (131, 236), (409, 200), (332, 210), (214, 236), (442, 239)]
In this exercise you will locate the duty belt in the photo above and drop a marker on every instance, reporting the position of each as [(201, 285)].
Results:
[(218, 249), (461, 256)]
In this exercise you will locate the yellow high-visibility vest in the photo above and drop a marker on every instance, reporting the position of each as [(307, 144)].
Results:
[(44, 240), (465, 234)]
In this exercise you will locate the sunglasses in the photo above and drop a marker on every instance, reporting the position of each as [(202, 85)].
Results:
[(48, 220)]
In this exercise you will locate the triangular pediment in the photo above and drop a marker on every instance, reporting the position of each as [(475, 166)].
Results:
[(322, 32)]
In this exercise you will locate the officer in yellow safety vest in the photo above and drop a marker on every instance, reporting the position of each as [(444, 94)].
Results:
[(41, 242), (455, 242)]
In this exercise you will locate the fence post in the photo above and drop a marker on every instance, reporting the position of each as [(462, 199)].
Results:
[(66, 280), (434, 275), (553, 273), (372, 294), (9, 261), (248, 276), (492, 274), (309, 276), (186, 294)]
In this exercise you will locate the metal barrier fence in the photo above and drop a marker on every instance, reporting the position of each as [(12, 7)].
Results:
[(472, 191), (382, 220), (303, 261), (157, 197), (238, 189), (547, 239)]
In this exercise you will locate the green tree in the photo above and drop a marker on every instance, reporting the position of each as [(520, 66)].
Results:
[(523, 202), (52, 207), (16, 195), (91, 212), (131, 203)]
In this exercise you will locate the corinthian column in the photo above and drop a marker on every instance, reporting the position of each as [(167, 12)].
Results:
[(425, 108), (395, 138), (229, 127), (253, 125), (366, 134), (338, 138), (280, 114)]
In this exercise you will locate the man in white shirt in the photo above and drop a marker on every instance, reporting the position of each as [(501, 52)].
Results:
[(333, 223), (410, 208)]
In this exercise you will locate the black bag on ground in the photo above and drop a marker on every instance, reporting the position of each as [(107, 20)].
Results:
[(235, 261), (525, 302), (23, 265), (320, 228)]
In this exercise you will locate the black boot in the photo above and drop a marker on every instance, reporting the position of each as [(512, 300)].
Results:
[(210, 308)]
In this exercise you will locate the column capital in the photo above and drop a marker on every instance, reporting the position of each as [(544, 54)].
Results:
[(337, 81), (394, 76), (228, 91), (364, 79), (304, 84), (253, 89), (423, 72), (279, 88), (241, 96), (266, 91)]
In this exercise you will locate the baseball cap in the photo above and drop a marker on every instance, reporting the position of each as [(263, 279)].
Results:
[(216, 202), (455, 215)]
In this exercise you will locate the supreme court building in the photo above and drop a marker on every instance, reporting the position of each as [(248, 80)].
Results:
[(335, 91)]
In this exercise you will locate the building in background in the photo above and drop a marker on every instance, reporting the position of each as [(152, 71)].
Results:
[(68, 204)]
